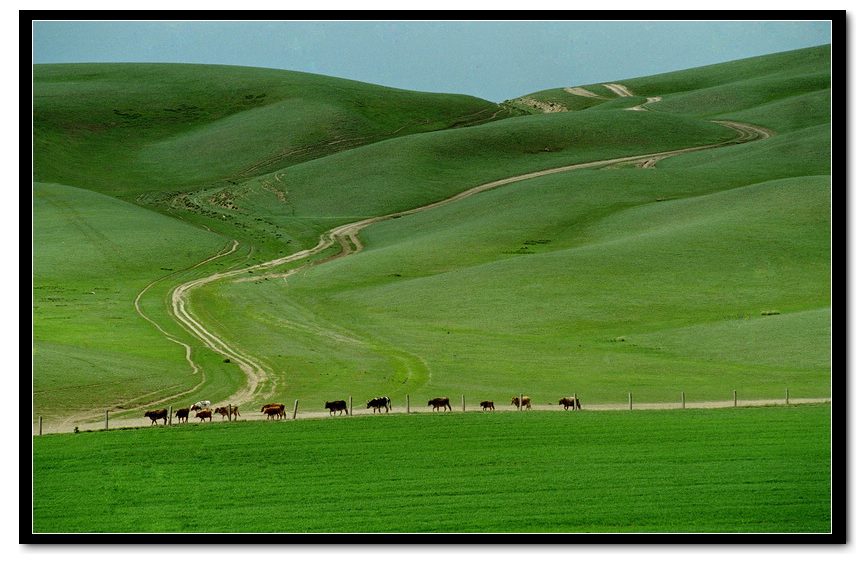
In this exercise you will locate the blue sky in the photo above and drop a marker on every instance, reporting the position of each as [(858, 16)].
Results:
[(494, 60)]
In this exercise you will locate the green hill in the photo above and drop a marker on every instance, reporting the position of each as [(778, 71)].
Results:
[(604, 281), (160, 127)]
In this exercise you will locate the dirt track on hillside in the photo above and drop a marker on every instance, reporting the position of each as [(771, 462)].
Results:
[(346, 236), (259, 388), (619, 90)]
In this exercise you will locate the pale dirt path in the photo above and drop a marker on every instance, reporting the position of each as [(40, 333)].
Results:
[(619, 90), (346, 236), (83, 417), (642, 107), (579, 91), (418, 407)]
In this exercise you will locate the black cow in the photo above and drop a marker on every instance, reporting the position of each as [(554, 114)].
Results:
[(156, 415), (183, 414), (378, 403), (569, 402), (488, 405), (440, 403), (336, 406)]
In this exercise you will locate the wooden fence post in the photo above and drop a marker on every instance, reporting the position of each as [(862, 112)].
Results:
[(294, 415), (787, 396), (735, 399), (630, 401), (464, 402), (170, 414), (683, 400), (575, 401), (229, 413), (40, 425), (349, 406), (106, 419), (407, 404)]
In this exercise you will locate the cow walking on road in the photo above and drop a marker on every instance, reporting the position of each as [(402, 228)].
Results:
[(527, 401), (156, 415), (278, 409), (183, 414), (199, 405), (225, 413), (573, 403), (337, 406), (488, 405), (204, 414), (378, 403), (275, 412), (440, 403)]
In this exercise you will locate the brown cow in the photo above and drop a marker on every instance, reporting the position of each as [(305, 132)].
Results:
[(569, 402), (440, 403), (275, 412), (156, 415), (279, 407), (527, 401), (204, 414), (488, 405), (336, 406), (183, 414), (224, 412)]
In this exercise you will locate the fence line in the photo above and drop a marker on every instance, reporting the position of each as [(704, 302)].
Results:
[(521, 404)]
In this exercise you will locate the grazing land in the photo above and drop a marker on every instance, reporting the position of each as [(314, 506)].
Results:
[(248, 236), (724, 470)]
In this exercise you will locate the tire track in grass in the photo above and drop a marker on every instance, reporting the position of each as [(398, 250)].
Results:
[(346, 236), (137, 303), (82, 417)]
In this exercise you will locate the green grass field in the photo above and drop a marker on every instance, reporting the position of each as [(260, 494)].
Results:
[(723, 470)]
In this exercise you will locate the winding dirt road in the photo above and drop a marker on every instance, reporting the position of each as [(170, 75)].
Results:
[(258, 385), (346, 236)]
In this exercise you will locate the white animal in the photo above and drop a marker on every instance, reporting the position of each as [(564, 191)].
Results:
[(199, 405)]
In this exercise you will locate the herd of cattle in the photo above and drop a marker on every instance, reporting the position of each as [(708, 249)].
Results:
[(277, 410)]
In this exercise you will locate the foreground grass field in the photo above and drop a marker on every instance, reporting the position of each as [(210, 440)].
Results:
[(723, 470)]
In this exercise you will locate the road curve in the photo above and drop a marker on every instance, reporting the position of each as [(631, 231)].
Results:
[(346, 236)]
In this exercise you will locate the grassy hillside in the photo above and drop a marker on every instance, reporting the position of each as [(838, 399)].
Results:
[(725, 470), (92, 256), (147, 133), (155, 127), (601, 281), (652, 281)]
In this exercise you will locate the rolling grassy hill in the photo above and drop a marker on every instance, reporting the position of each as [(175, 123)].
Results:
[(163, 136), (601, 281)]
